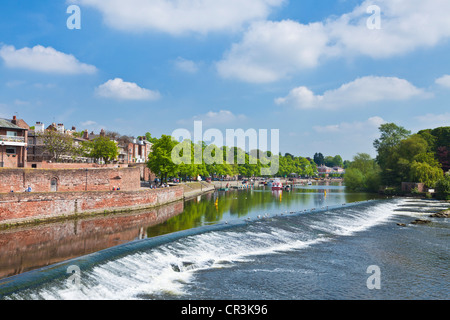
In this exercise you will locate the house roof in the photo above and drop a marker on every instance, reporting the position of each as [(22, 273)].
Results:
[(4, 123)]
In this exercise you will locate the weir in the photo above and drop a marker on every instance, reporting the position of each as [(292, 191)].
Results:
[(58, 272)]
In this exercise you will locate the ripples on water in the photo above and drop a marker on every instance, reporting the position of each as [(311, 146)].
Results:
[(314, 254)]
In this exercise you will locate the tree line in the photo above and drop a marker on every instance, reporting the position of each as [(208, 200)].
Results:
[(59, 144), (423, 157), (160, 161), (244, 164)]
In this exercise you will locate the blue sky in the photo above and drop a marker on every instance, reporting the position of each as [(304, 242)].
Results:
[(314, 70)]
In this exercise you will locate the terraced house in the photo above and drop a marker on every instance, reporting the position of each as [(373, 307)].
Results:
[(13, 143)]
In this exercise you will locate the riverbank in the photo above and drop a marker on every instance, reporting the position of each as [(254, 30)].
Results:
[(256, 183), (19, 209), (195, 189)]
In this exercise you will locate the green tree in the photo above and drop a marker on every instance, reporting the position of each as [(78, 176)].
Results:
[(57, 144), (160, 158), (329, 161), (439, 144), (149, 137), (443, 188), (391, 136), (319, 159), (338, 162), (425, 173), (335, 161), (387, 158), (363, 174), (104, 148)]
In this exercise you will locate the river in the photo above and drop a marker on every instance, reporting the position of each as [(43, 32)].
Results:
[(316, 242)]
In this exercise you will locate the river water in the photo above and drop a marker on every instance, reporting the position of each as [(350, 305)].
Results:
[(314, 242)]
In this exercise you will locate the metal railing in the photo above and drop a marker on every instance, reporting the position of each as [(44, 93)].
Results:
[(11, 139)]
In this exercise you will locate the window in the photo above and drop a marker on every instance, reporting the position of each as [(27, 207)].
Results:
[(54, 185), (10, 150), (11, 133)]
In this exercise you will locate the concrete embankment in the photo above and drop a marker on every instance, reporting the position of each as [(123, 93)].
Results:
[(256, 183), (194, 189), (26, 208)]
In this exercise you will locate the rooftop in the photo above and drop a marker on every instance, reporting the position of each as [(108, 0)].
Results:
[(5, 123)]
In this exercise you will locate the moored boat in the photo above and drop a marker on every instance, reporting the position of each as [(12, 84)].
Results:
[(277, 185)]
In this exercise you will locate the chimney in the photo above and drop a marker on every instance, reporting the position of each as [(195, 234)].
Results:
[(86, 135), (102, 133), (14, 120)]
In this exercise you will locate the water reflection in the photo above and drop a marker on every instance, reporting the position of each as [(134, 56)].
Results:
[(30, 248), (249, 203)]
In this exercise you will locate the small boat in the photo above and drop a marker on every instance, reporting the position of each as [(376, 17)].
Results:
[(227, 188), (277, 185)]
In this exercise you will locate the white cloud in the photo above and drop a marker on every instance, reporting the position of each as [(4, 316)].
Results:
[(44, 59), (88, 123), (186, 65), (356, 93), (215, 118), (15, 83), (431, 121), (92, 126), (444, 81), (369, 126), (121, 90), (181, 16), (22, 103), (337, 138), (270, 51)]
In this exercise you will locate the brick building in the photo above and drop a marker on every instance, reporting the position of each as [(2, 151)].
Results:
[(36, 148), (139, 150), (13, 143), (326, 171), (132, 151)]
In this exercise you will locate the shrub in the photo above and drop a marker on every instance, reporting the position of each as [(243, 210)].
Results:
[(443, 188)]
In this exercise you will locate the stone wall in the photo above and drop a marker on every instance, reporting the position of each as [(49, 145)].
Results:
[(410, 186), (40, 180), (146, 174), (29, 207)]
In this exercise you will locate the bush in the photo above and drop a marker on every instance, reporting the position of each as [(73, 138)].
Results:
[(354, 179), (443, 188)]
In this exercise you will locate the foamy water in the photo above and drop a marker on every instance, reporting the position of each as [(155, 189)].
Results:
[(171, 269)]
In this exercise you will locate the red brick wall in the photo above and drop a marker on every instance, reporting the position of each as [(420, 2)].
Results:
[(53, 165), (146, 174), (10, 160), (409, 186), (69, 180), (19, 207)]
